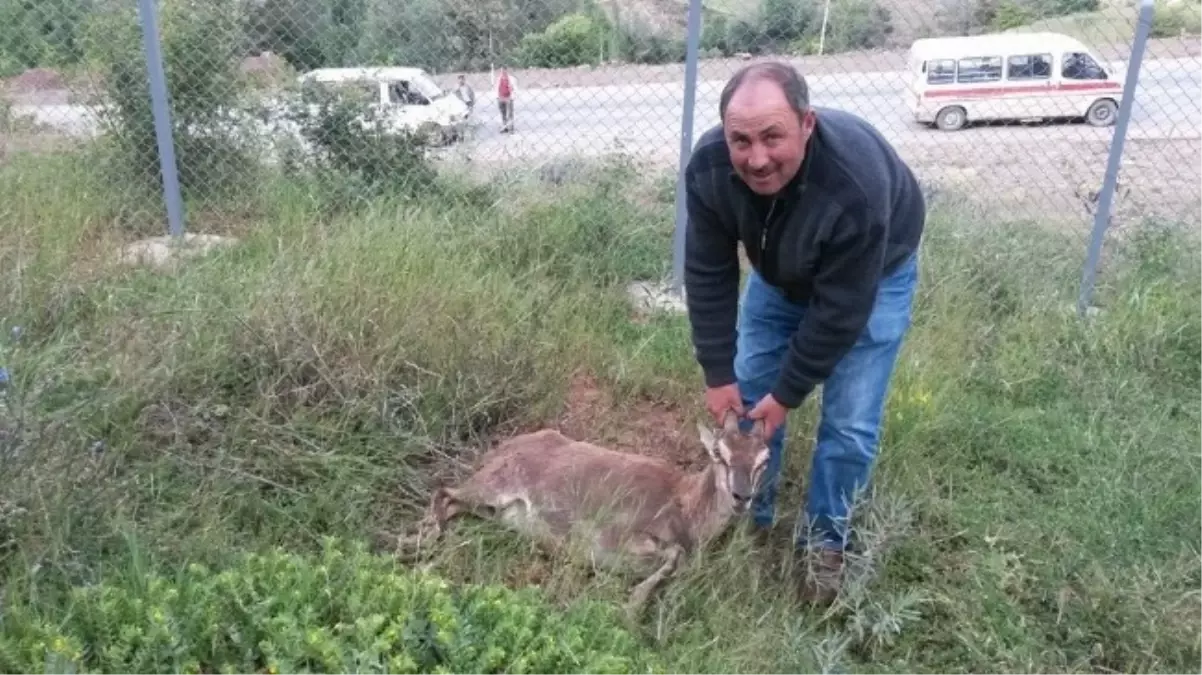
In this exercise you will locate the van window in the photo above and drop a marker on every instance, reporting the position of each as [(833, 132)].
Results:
[(403, 93), (942, 71), (1081, 66), (979, 69), (355, 92), (1029, 67)]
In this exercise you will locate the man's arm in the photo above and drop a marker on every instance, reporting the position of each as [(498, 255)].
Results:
[(844, 294), (711, 279)]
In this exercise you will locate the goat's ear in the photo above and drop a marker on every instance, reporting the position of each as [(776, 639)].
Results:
[(708, 439)]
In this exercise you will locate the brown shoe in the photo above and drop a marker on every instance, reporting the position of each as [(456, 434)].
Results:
[(822, 576)]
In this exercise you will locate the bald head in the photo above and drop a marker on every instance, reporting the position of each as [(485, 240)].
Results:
[(776, 75), (767, 122)]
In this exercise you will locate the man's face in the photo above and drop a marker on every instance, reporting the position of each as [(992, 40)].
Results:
[(767, 140)]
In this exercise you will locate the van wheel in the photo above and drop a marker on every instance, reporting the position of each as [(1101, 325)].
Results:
[(1102, 112), (951, 118)]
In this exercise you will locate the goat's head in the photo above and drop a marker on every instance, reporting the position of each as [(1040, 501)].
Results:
[(739, 458)]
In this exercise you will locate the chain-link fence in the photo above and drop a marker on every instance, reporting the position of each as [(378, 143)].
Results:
[(1020, 126)]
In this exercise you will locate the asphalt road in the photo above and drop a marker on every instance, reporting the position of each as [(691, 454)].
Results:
[(645, 118)]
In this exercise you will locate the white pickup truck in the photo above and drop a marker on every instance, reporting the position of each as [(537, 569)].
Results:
[(405, 99)]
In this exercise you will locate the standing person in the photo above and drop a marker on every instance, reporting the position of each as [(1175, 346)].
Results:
[(830, 218), (465, 93), (506, 88)]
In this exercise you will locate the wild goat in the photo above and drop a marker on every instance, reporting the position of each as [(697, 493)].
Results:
[(548, 486)]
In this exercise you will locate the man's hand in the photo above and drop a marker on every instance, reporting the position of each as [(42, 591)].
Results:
[(719, 400), (771, 412)]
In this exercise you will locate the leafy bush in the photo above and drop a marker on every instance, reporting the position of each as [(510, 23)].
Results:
[(794, 26), (448, 35), (353, 154), (7, 119), (638, 43), (306, 34), (571, 41), (44, 33), (200, 46), (1010, 14), (1062, 7), (858, 24), (971, 16), (1176, 19), (347, 611)]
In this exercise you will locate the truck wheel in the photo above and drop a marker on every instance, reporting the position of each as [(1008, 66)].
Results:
[(1102, 112), (951, 118)]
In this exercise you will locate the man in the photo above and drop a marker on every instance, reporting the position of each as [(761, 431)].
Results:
[(506, 87), (465, 93), (830, 219)]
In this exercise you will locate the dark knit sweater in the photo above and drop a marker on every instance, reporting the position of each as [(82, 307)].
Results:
[(853, 213)]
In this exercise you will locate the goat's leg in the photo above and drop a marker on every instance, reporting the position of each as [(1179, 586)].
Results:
[(642, 592)]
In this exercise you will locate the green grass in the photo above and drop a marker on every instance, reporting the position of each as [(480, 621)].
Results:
[(1116, 22), (1037, 503)]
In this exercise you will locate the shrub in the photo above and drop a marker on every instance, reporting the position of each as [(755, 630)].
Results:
[(346, 611), (353, 154), (638, 45), (857, 24), (1010, 14), (40, 34), (1062, 7), (573, 40), (1176, 19), (793, 26), (200, 47), (973, 16)]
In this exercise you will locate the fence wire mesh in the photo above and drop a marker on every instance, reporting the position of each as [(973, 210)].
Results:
[(593, 78)]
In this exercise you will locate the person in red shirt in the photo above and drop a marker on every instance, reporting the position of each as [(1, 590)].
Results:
[(505, 90)]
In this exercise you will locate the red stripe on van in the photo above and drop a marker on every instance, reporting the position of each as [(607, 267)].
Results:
[(964, 92)]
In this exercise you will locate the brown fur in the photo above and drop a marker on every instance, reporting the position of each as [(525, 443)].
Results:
[(623, 506)]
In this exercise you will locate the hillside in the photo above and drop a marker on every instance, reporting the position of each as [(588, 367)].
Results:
[(1110, 21), (671, 16)]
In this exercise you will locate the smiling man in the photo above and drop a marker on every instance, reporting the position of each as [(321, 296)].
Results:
[(830, 218)]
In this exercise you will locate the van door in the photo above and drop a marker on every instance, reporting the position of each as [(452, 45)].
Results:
[(1029, 76), (1082, 81), (980, 77)]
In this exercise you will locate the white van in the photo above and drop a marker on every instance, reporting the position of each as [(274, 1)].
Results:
[(1009, 76), (406, 98)]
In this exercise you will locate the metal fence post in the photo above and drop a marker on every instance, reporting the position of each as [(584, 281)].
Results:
[(693, 47), (157, 81), (1101, 218)]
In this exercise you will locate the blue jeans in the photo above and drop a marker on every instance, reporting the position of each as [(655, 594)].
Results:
[(853, 397)]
